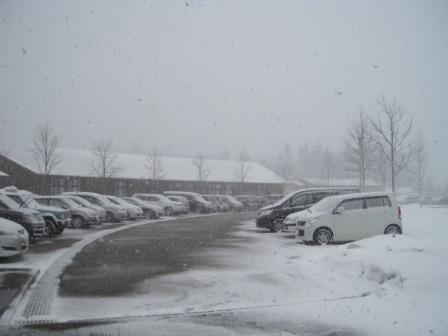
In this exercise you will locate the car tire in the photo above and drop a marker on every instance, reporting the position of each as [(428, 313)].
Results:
[(110, 217), (150, 214), (78, 222), (392, 229), (168, 211), (323, 236), (52, 228)]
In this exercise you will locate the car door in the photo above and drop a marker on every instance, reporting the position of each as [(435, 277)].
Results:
[(296, 203), (378, 214), (350, 224)]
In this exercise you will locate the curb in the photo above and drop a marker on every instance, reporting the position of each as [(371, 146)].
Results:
[(41, 321), (9, 313)]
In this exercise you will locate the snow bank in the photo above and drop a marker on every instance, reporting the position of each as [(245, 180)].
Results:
[(383, 285)]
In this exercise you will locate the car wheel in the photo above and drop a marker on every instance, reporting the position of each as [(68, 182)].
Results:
[(78, 222), (322, 237), (168, 211), (110, 218), (278, 224), (52, 228), (393, 230)]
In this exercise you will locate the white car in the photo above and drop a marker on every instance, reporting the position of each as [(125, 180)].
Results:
[(169, 207), (13, 238), (134, 211), (347, 218)]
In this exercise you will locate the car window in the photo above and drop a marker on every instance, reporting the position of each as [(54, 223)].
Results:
[(321, 195), (55, 203), (352, 204), (378, 202), (301, 200)]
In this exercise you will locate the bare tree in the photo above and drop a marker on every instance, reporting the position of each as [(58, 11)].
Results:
[(103, 162), (243, 168), (358, 148), (46, 150), (328, 166), (379, 166), (392, 134), (419, 165), (202, 168), (154, 163)]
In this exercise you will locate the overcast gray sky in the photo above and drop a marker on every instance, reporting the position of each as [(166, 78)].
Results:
[(201, 76)]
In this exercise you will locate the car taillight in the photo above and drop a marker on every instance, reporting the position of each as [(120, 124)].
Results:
[(399, 213)]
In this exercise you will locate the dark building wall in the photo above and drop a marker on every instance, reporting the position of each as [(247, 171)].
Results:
[(128, 187)]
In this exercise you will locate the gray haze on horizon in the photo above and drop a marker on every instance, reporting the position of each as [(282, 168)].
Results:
[(203, 76)]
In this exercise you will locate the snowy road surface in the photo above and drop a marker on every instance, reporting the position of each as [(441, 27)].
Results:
[(219, 275)]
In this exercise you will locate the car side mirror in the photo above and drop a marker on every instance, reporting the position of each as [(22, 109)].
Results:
[(339, 210)]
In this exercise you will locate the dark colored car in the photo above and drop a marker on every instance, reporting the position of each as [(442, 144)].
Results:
[(31, 220), (271, 217)]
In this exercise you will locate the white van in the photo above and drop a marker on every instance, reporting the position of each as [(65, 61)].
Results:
[(347, 218)]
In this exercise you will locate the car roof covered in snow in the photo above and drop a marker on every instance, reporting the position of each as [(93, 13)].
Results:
[(75, 162), (360, 195)]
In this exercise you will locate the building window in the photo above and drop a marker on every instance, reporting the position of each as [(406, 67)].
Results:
[(75, 185), (121, 188), (61, 185)]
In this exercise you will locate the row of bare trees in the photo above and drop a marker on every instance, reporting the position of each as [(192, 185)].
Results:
[(103, 162), (384, 145)]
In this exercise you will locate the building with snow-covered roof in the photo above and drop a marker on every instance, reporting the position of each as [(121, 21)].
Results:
[(74, 173)]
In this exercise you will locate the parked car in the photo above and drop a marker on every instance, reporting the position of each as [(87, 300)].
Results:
[(182, 200), (252, 202), (149, 210), (114, 212), (56, 219), (196, 202), (31, 220), (133, 211), (271, 217), (14, 239), (169, 207), (235, 205), (81, 216), (219, 202), (100, 211), (348, 217)]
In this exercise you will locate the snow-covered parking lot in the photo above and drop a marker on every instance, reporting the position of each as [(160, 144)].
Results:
[(263, 283)]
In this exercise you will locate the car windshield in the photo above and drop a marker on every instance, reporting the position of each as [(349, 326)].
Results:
[(10, 203), (326, 205), (163, 198), (28, 200), (81, 201), (71, 203)]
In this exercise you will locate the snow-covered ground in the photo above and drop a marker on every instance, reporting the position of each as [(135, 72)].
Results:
[(384, 285)]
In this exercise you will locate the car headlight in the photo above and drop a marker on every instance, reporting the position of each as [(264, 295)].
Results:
[(311, 222), (265, 212), (60, 216), (21, 231)]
